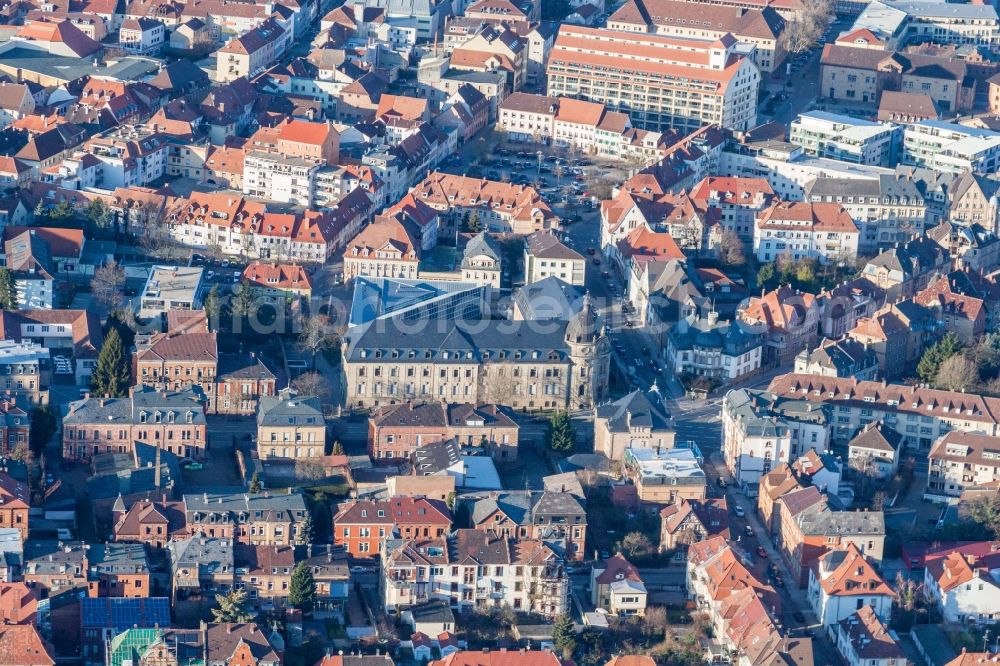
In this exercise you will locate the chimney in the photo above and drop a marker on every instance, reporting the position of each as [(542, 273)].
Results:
[(156, 473)]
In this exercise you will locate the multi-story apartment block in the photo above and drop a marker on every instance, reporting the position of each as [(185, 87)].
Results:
[(247, 518), (507, 362), (118, 570), (738, 200), (798, 230), (639, 419), (722, 351), (917, 21), (25, 371), (482, 260), (290, 427), (170, 289), (396, 431), (963, 586), (384, 249), (131, 155), (185, 355), (546, 256), (362, 526), (661, 82), (475, 569), (761, 430), (666, 476), (252, 52), (920, 415), (842, 581), (845, 138), (950, 147), (757, 29), (282, 178), (960, 461), (265, 571), (889, 209), (550, 515)]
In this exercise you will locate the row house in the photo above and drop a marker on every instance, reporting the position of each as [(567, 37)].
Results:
[(151, 522), (919, 415), (685, 163), (216, 643), (26, 371), (200, 568), (265, 572), (396, 431), (15, 504), (838, 358), (473, 569), (898, 333), (362, 526), (247, 518), (585, 126), (55, 567), (118, 570), (15, 426), (742, 610), (550, 516), (808, 528), (171, 420), (889, 209), (904, 270), (500, 207), (761, 430), (962, 313)]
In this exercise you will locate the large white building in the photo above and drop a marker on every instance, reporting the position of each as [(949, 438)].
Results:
[(275, 177), (845, 138), (661, 82), (964, 582), (761, 430), (951, 148), (916, 21), (822, 231)]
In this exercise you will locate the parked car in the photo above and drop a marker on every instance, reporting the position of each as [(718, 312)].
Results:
[(596, 261), (762, 552), (738, 510)]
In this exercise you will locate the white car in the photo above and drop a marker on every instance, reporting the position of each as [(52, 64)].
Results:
[(738, 510)]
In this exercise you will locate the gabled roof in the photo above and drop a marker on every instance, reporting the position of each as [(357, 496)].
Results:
[(846, 572)]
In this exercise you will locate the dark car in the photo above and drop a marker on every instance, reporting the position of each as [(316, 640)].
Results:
[(762, 552), (596, 261), (591, 251)]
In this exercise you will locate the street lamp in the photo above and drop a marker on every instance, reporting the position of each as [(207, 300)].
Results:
[(540, 155)]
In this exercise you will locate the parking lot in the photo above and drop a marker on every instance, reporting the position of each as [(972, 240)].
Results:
[(219, 271)]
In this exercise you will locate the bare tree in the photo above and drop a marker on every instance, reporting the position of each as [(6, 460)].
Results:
[(731, 249), (312, 384), (317, 334), (957, 373), (804, 30), (498, 383), (311, 470), (108, 285)]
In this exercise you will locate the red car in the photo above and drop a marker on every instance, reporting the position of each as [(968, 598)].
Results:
[(762, 552)]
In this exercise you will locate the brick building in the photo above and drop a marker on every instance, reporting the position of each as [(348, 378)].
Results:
[(361, 526)]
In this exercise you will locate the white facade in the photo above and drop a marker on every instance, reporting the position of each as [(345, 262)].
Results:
[(844, 138), (951, 148), (34, 292), (831, 609), (278, 178), (976, 601)]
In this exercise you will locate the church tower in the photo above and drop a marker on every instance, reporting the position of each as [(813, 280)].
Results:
[(590, 353)]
